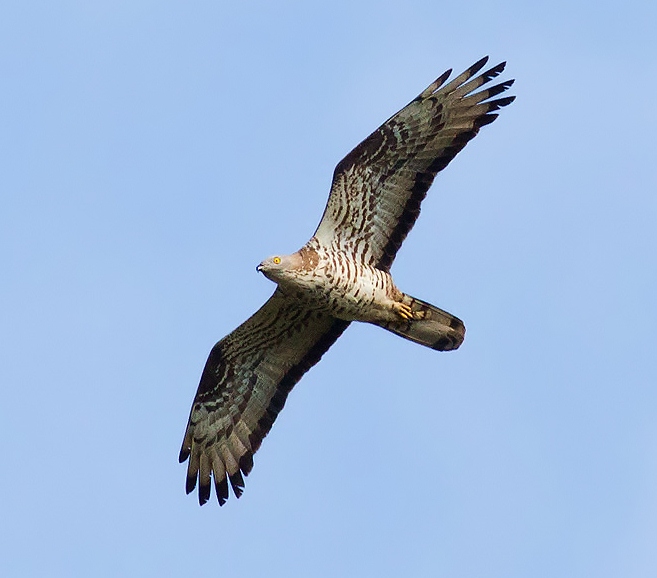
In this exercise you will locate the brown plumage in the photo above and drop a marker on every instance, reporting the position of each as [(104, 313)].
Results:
[(341, 275)]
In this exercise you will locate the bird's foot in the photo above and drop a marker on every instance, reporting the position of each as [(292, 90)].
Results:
[(404, 311)]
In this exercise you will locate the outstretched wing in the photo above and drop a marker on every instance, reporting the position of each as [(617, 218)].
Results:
[(244, 386), (378, 187)]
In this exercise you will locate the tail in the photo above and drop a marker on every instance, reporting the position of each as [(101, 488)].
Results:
[(430, 326)]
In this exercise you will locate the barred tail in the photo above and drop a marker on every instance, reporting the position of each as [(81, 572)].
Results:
[(430, 326)]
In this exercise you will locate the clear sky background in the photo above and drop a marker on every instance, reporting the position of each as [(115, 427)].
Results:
[(152, 153)]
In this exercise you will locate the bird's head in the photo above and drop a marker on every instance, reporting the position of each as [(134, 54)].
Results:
[(279, 267)]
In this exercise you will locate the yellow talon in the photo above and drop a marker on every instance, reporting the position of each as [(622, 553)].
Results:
[(404, 311)]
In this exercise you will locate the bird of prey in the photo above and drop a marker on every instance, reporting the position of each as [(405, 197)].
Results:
[(342, 274)]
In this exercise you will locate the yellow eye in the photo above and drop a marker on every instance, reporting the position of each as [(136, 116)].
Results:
[(276, 260)]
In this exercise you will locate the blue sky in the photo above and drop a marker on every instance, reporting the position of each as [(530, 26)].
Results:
[(153, 153)]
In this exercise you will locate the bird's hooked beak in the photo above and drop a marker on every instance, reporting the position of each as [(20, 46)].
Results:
[(259, 268)]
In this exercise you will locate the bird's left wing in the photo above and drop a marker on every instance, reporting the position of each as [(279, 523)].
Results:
[(378, 187), (244, 386)]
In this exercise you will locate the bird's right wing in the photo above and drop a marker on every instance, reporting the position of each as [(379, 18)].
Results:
[(378, 187), (244, 386)]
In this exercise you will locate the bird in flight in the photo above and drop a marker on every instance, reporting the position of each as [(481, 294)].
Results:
[(342, 274)]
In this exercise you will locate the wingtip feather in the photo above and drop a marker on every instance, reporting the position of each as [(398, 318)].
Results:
[(190, 483), (246, 463), (477, 66), (221, 487), (203, 494), (435, 85), (485, 119), (442, 78), (237, 483), (500, 102), (494, 71)]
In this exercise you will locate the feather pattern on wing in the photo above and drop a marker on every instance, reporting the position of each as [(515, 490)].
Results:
[(378, 187), (244, 386)]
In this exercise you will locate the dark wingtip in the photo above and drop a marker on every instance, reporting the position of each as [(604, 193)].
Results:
[(237, 483), (500, 102), (461, 139), (221, 488), (246, 463), (442, 78), (190, 484), (434, 86), (203, 494), (485, 119), (494, 71), (477, 66), (184, 454), (497, 89)]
